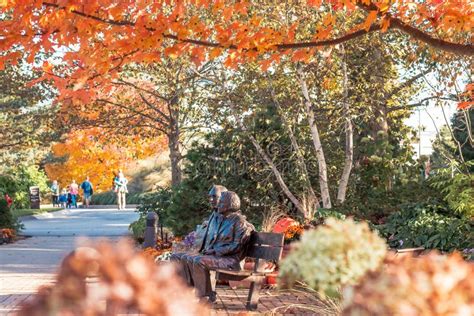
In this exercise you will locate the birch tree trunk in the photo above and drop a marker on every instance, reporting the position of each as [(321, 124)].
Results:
[(349, 151), (272, 166), (310, 203), (174, 144), (322, 166)]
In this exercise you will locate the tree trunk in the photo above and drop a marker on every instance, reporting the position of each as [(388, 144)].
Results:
[(349, 151), (322, 166), (272, 166), (310, 203), (175, 158), (174, 144), (278, 176)]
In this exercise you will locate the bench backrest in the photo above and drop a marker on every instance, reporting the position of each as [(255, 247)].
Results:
[(265, 246)]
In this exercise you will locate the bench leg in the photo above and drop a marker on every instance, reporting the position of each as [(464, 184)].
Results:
[(213, 277), (254, 294)]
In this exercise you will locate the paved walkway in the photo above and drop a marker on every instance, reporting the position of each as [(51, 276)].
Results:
[(28, 264), (80, 222), (31, 262)]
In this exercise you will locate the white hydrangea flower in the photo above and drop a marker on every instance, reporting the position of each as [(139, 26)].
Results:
[(336, 254)]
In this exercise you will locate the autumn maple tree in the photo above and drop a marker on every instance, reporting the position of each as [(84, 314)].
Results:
[(103, 35), (98, 37), (146, 101), (93, 153)]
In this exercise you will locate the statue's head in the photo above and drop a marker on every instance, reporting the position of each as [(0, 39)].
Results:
[(215, 194), (229, 202)]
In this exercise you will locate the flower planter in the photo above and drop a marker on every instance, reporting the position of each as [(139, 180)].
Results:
[(272, 278)]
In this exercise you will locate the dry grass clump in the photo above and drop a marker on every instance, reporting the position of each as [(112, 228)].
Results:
[(429, 285), (126, 281)]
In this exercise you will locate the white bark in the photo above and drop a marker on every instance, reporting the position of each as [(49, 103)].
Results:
[(174, 144), (272, 166), (349, 151), (322, 166), (311, 202)]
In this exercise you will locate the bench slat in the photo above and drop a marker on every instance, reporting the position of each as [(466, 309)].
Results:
[(271, 239), (242, 272), (267, 253)]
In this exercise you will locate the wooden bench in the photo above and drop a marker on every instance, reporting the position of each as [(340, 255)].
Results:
[(262, 247)]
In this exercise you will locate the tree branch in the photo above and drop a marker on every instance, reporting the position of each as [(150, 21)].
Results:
[(460, 49)]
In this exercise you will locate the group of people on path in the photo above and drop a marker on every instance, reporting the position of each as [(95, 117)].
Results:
[(67, 198)]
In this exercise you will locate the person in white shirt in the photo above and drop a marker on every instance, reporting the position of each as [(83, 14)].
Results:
[(121, 189)]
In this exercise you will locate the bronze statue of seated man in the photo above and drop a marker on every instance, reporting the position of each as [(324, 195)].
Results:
[(228, 233)]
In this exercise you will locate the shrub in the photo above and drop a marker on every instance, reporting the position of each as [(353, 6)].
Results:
[(458, 190), (428, 225), (6, 217), (333, 255), (24, 177), (376, 205), (430, 285), (180, 208), (138, 228)]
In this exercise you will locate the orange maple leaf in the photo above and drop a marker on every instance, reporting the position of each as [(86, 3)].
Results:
[(370, 20)]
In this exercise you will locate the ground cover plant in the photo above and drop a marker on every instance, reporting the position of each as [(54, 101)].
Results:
[(431, 225)]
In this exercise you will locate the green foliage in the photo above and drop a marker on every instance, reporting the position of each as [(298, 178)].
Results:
[(17, 181), (375, 205), (138, 228), (8, 185), (24, 124), (180, 208), (430, 225), (457, 187), (331, 256), (6, 217), (323, 214)]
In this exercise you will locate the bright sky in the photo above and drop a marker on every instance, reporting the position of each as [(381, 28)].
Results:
[(428, 129)]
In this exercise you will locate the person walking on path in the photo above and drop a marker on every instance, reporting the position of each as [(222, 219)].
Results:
[(55, 193), (121, 189), (63, 198), (88, 190), (74, 191)]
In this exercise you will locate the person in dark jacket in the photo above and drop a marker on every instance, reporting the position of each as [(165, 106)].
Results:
[(224, 245), (88, 190)]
